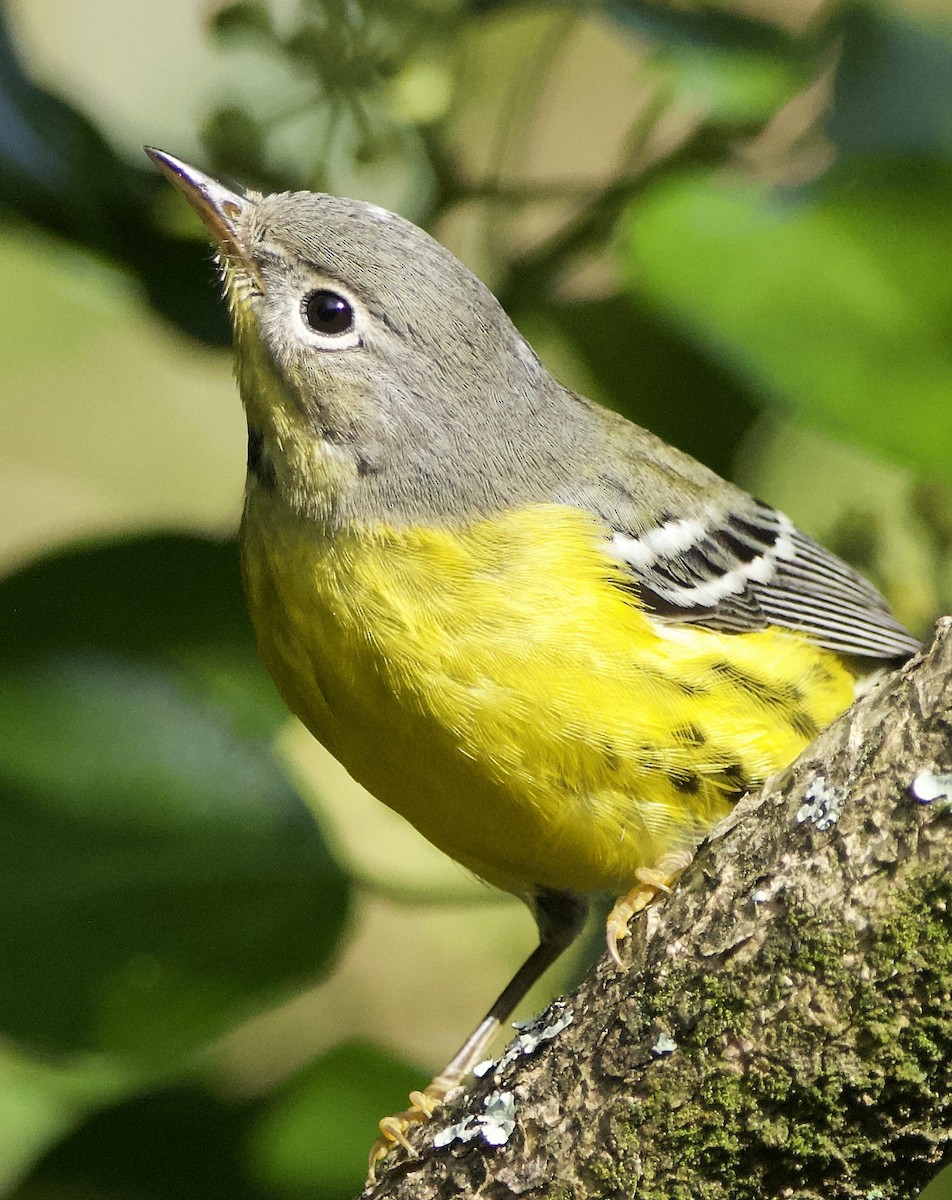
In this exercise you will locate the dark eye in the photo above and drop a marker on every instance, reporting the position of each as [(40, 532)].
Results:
[(326, 312)]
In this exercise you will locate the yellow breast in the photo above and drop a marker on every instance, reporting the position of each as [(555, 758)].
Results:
[(497, 688)]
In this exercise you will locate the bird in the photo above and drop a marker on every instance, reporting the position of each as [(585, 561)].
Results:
[(558, 646)]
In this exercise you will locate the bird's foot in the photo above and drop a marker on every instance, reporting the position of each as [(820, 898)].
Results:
[(393, 1130), (652, 882)]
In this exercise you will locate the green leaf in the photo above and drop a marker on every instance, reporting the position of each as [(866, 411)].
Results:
[(940, 1188), (314, 1137), (159, 878), (174, 600), (835, 304), (187, 1143), (39, 1103)]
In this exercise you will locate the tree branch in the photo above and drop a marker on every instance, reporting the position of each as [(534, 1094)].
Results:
[(785, 1027)]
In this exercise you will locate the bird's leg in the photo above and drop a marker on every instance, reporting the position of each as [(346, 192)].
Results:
[(652, 882), (560, 917)]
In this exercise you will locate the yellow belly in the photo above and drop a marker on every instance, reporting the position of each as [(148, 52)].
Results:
[(498, 689)]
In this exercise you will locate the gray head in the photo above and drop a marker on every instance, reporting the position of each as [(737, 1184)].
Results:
[(378, 374)]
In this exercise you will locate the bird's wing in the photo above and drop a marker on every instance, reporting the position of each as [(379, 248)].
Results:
[(747, 567)]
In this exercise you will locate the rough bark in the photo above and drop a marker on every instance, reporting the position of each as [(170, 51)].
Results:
[(785, 1026)]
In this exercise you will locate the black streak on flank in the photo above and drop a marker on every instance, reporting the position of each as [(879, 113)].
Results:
[(259, 464), (735, 778), (804, 724), (750, 683)]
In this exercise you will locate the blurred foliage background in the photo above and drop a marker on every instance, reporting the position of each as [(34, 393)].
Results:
[(222, 961)]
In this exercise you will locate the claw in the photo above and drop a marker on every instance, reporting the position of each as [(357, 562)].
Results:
[(426, 1103), (393, 1130), (652, 883), (616, 930)]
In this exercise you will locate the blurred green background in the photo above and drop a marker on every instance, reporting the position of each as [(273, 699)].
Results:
[(221, 960)]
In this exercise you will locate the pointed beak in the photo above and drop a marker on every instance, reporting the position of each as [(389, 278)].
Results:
[(219, 208)]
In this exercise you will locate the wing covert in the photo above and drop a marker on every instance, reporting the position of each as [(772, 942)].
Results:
[(743, 570)]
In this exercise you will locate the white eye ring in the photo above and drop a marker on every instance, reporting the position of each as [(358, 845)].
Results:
[(328, 319)]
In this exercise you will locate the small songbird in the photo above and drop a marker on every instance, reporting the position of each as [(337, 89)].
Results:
[(558, 646)]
